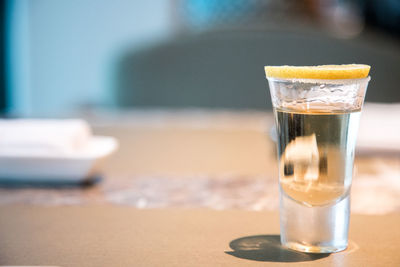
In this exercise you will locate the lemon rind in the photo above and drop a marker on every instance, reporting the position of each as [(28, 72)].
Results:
[(321, 72)]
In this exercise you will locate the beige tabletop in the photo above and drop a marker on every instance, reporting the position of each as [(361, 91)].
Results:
[(185, 189), (125, 236)]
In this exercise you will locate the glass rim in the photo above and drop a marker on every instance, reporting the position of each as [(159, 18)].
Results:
[(320, 81)]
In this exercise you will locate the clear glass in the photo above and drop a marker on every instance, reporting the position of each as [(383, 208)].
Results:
[(317, 123)]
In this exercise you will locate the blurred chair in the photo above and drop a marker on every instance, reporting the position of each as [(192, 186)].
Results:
[(224, 69)]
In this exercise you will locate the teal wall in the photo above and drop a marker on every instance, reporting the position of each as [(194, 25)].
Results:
[(61, 54)]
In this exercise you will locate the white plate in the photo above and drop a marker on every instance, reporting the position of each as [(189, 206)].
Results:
[(75, 167)]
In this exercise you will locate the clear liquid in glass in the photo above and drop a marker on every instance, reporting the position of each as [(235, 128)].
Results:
[(316, 153)]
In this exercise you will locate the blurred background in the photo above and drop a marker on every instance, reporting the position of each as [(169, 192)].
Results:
[(67, 57)]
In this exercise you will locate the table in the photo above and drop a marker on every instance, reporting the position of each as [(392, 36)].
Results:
[(125, 236), (182, 190)]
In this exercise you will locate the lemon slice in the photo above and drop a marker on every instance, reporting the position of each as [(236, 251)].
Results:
[(325, 72)]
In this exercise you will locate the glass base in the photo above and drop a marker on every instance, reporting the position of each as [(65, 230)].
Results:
[(313, 249), (319, 229)]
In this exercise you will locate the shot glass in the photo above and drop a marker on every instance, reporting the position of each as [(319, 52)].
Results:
[(317, 122)]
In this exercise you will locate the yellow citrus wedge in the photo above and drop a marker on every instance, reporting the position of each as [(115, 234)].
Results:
[(325, 72)]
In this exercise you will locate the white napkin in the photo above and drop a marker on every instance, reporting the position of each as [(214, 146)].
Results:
[(34, 137), (379, 128)]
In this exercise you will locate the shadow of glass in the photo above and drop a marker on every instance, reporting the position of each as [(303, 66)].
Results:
[(268, 248), (51, 184)]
